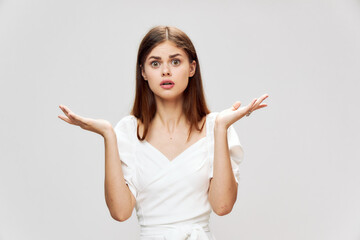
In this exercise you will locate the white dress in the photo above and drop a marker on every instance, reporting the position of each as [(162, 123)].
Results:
[(172, 196)]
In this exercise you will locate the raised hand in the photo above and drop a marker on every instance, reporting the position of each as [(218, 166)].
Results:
[(99, 126), (227, 117)]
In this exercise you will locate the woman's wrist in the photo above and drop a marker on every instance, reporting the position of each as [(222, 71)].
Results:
[(219, 127), (108, 132)]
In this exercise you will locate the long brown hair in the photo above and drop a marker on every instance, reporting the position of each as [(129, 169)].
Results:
[(194, 105)]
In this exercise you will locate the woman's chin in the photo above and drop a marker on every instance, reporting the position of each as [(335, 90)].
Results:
[(169, 96)]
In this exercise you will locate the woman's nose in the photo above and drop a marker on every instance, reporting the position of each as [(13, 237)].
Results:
[(165, 71)]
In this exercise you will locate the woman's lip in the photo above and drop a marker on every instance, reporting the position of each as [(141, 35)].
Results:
[(167, 86), (166, 81)]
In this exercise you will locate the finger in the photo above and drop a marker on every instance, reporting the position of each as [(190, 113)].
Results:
[(261, 106), (262, 98), (251, 105), (65, 119), (71, 114), (78, 119), (236, 105), (65, 110), (259, 101), (74, 118)]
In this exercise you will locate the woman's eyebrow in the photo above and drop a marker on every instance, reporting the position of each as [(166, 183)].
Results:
[(174, 55), (170, 56)]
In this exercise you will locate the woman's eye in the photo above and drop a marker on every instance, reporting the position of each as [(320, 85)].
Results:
[(155, 63), (176, 62)]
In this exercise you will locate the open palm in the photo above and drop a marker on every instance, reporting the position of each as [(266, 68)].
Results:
[(229, 116), (99, 126)]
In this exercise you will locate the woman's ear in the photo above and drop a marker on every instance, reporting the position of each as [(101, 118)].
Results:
[(143, 72), (192, 68)]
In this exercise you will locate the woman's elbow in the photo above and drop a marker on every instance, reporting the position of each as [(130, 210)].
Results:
[(120, 217), (223, 210)]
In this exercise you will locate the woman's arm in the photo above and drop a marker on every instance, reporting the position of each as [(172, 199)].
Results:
[(118, 196), (223, 187)]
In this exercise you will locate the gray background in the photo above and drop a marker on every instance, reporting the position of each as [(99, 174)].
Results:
[(300, 176)]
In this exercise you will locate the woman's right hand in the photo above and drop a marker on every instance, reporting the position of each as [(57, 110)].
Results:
[(99, 126)]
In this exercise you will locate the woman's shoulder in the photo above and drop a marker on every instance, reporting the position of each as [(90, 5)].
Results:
[(211, 116), (126, 123)]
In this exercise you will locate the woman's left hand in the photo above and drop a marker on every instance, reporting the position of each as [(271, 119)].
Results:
[(227, 117)]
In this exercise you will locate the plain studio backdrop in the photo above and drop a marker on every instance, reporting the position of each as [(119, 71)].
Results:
[(300, 175)]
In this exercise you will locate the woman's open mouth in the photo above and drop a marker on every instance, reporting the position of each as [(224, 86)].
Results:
[(167, 84)]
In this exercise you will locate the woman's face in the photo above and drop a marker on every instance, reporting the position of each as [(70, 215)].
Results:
[(168, 62)]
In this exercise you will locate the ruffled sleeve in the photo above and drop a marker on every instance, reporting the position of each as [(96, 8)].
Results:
[(235, 150), (124, 131)]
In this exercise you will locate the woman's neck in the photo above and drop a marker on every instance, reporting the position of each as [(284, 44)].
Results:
[(169, 115)]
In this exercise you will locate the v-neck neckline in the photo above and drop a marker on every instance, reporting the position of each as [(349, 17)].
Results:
[(186, 149), (180, 154)]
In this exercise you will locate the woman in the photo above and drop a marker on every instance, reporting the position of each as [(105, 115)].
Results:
[(172, 159)]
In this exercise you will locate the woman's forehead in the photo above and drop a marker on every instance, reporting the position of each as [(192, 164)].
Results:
[(166, 49)]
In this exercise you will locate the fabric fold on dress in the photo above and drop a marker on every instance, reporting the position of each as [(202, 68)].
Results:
[(172, 196), (193, 231)]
